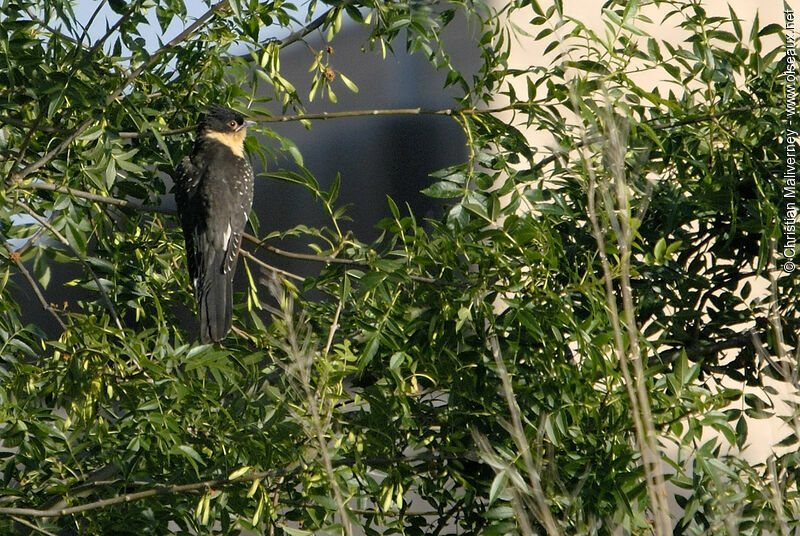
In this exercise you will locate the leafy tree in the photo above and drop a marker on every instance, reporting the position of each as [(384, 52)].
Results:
[(540, 359)]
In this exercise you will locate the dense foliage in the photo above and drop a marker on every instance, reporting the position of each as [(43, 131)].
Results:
[(519, 365)]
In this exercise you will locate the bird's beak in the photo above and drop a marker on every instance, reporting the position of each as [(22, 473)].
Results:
[(247, 123)]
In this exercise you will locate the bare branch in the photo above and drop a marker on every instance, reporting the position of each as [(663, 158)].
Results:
[(542, 508), (334, 327), (30, 525), (324, 116), (627, 354), (444, 112), (327, 259), (299, 348), (269, 267), (147, 133), (92, 197)]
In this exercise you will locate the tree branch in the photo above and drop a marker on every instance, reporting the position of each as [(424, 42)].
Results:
[(53, 31), (148, 133), (93, 197), (302, 256), (250, 238), (324, 116), (139, 495), (206, 484), (445, 112)]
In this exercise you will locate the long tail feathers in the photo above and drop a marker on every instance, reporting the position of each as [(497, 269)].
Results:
[(215, 303)]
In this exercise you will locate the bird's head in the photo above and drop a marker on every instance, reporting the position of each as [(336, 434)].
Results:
[(226, 126)]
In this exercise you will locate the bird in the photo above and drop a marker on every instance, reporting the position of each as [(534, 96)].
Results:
[(214, 195)]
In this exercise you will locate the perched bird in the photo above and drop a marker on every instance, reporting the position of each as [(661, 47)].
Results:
[(214, 194)]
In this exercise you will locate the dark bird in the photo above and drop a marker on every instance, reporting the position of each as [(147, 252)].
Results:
[(214, 194)]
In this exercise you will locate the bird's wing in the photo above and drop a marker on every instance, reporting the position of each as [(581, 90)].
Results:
[(244, 198), (187, 181)]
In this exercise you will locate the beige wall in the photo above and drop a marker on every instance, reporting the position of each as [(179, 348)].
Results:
[(765, 433), (528, 52)]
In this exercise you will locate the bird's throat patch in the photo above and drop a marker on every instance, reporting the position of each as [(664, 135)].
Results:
[(232, 140)]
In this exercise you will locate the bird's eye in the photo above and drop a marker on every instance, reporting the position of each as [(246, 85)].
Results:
[(232, 124)]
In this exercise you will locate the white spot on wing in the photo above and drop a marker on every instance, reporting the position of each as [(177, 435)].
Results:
[(227, 234)]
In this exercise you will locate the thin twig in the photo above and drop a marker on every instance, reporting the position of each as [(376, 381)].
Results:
[(23, 147), (640, 406), (43, 23), (327, 259), (89, 53), (153, 208), (30, 525), (31, 241), (316, 23), (544, 515), (443, 112), (301, 256), (34, 285), (298, 347), (248, 255), (38, 185), (148, 133), (334, 326), (89, 270), (323, 116)]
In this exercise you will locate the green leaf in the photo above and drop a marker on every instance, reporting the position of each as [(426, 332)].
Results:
[(500, 512), (444, 189), (737, 27), (239, 472), (660, 249), (295, 532), (348, 83), (190, 453), (654, 50), (91, 133), (111, 173), (397, 359), (770, 29), (498, 486), (631, 7)]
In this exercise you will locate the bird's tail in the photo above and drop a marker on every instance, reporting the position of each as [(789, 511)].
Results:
[(214, 302)]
